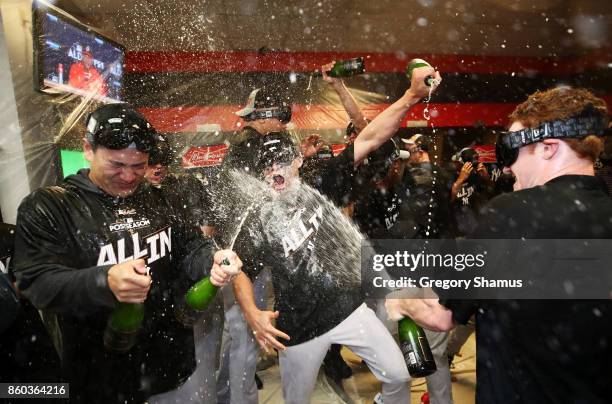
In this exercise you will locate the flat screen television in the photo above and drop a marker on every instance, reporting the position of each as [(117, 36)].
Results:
[(71, 57)]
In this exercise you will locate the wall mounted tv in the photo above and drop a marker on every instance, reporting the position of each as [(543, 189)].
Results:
[(71, 57)]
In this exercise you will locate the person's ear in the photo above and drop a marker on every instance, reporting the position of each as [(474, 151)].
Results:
[(550, 148), (88, 151)]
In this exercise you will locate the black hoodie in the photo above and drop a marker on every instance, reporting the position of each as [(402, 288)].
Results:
[(67, 238)]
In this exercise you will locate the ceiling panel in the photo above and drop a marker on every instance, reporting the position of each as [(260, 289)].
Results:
[(488, 27)]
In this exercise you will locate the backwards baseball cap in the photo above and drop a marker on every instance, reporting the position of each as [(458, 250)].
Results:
[(119, 126), (265, 104), (418, 140), (277, 147)]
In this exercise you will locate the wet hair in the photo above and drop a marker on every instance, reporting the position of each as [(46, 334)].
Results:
[(562, 103)]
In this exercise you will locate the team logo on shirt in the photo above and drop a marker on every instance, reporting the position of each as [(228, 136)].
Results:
[(154, 247), (126, 212), (129, 224), (301, 231), (465, 193)]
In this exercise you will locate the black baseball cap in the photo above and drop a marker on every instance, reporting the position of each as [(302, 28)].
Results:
[(119, 126), (277, 147)]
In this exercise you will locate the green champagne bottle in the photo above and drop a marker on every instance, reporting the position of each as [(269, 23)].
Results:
[(196, 300), (122, 327), (415, 63), (415, 347), (346, 68)]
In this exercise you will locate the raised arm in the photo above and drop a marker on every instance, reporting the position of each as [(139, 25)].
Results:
[(346, 98), (386, 124)]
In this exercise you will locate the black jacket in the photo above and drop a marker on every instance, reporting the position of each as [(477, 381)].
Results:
[(67, 238)]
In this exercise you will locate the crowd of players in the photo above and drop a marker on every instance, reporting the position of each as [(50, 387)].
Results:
[(81, 247)]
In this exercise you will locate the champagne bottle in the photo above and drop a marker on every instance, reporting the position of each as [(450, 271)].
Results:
[(415, 347), (122, 327), (196, 300), (416, 63), (346, 68)]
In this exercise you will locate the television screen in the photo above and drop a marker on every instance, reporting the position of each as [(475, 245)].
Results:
[(71, 57)]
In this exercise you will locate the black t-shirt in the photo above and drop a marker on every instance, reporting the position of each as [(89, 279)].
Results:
[(470, 198), (544, 351), (377, 212), (296, 234)]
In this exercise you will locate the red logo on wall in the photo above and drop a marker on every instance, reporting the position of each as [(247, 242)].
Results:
[(204, 156), (486, 153)]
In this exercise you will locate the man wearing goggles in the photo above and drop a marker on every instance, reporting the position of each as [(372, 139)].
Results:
[(267, 110), (117, 143), (535, 350), (532, 150), (100, 238)]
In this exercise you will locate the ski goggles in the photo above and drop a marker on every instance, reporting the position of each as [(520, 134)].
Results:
[(283, 114), (589, 122), (118, 133)]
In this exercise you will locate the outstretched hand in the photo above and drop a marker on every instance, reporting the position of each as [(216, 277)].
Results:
[(264, 331)]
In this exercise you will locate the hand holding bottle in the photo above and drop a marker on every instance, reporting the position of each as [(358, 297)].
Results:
[(129, 281), (328, 68), (225, 267), (418, 84)]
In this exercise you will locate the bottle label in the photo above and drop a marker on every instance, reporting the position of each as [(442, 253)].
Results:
[(408, 353)]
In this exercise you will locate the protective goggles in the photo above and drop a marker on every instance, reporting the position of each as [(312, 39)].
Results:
[(283, 114), (587, 123), (122, 132)]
